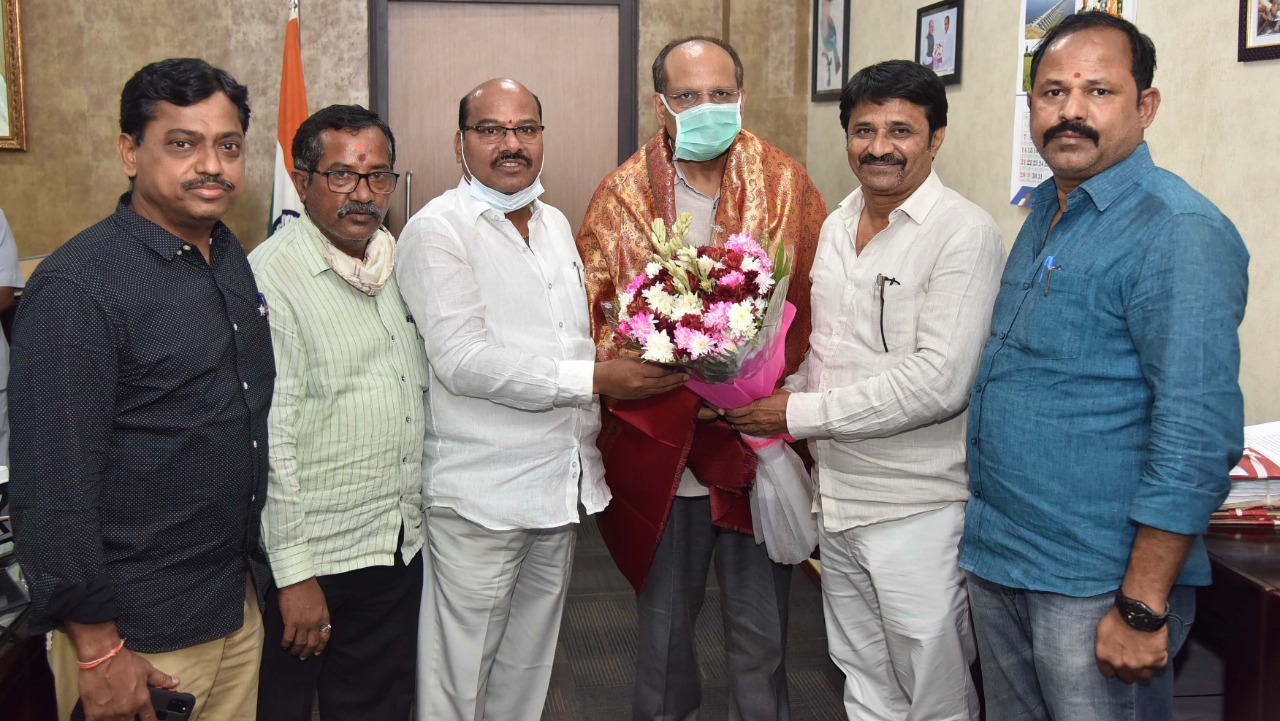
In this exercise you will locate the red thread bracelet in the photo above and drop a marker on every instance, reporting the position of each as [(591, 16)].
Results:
[(86, 665)]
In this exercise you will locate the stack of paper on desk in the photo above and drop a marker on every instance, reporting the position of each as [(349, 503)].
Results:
[(1255, 483)]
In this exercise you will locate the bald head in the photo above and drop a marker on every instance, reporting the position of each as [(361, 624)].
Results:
[(497, 87), (695, 51)]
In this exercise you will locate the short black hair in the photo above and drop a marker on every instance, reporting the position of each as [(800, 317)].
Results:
[(660, 62), (1141, 47), (182, 82), (464, 106), (896, 79), (307, 147)]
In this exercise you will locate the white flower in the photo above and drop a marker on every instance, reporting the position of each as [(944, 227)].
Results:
[(686, 304), (706, 265), (659, 300), (624, 302), (742, 320), (750, 263), (652, 269), (659, 348)]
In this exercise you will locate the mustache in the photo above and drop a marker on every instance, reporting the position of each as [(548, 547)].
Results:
[(367, 208), (1069, 126), (515, 155), (208, 180), (866, 158)]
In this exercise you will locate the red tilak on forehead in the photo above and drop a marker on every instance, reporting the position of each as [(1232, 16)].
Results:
[(1077, 75)]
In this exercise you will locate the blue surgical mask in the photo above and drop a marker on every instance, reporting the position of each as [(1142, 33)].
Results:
[(502, 202), (705, 131)]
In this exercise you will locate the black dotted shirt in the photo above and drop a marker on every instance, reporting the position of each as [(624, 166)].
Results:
[(139, 388)]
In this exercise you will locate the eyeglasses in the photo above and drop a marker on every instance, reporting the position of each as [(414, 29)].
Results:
[(881, 281), (685, 99), (494, 134), (382, 182)]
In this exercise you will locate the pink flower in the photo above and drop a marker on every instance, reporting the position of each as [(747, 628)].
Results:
[(695, 342), (732, 279), (641, 325), (716, 318), (635, 283)]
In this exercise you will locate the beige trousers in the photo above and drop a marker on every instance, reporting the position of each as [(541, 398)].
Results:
[(222, 674)]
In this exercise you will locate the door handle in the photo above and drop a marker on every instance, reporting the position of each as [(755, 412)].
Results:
[(408, 195)]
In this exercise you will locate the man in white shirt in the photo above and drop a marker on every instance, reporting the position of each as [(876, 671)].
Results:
[(903, 283), (493, 279), (948, 45)]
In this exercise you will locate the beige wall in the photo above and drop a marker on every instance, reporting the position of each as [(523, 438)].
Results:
[(77, 57), (1213, 108)]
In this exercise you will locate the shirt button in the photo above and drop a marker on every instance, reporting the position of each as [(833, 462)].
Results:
[(255, 444), (393, 338), (235, 327), (404, 460), (1026, 285), (973, 441), (548, 286), (560, 324), (402, 379), (186, 247), (976, 493), (246, 385), (978, 389), (1003, 336)]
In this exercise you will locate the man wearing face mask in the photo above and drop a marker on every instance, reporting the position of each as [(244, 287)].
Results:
[(680, 486), (343, 520), (492, 277)]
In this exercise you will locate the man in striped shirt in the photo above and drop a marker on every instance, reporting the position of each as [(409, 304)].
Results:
[(343, 520)]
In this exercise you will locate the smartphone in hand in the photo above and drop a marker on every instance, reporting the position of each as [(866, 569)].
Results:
[(169, 705)]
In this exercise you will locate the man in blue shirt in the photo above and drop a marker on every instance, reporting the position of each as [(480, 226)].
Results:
[(1106, 413)]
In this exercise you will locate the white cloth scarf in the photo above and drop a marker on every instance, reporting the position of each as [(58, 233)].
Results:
[(368, 275)]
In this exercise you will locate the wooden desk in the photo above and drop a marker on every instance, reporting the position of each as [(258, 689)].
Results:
[(1239, 615)]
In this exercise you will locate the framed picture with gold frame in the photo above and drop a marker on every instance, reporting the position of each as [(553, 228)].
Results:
[(13, 120)]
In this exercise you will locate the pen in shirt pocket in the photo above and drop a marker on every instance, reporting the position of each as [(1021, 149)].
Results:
[(1047, 273), (578, 268)]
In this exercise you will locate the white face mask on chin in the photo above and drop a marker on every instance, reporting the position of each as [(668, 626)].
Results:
[(503, 202)]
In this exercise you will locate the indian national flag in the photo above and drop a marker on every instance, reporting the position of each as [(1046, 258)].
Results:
[(285, 204)]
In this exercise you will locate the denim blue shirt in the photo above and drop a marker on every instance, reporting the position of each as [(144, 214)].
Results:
[(1107, 395)]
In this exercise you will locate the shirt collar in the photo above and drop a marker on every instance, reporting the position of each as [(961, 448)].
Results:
[(916, 206), (1105, 187), (476, 208), (685, 182), (162, 242), (316, 263)]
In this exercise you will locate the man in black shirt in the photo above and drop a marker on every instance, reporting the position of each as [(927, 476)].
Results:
[(141, 379)]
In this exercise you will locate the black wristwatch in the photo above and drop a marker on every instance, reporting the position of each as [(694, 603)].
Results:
[(1139, 615)]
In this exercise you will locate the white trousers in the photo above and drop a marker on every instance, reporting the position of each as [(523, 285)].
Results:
[(491, 607), (897, 617)]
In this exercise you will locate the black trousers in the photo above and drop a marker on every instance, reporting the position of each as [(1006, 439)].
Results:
[(368, 669)]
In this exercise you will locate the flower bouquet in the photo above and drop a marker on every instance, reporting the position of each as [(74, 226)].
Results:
[(716, 312), (721, 314)]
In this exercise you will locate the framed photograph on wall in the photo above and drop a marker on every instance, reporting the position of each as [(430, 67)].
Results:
[(830, 48), (1259, 30), (938, 31), (13, 119)]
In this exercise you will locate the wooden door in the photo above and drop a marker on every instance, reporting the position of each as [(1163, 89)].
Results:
[(566, 54)]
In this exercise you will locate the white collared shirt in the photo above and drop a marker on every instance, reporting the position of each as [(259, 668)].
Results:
[(511, 421), (888, 427)]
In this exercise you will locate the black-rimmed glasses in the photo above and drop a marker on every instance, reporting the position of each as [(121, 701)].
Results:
[(494, 134), (382, 182)]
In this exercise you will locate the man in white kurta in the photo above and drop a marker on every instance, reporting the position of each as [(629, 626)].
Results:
[(903, 283), (493, 279)]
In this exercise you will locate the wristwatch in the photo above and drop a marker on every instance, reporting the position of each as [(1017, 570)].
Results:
[(1139, 615)]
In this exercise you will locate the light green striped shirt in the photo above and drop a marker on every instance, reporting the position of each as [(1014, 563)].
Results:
[(347, 418)]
